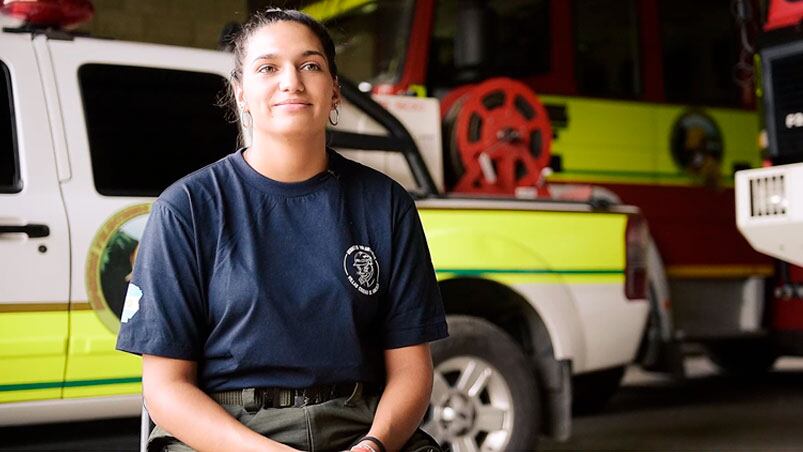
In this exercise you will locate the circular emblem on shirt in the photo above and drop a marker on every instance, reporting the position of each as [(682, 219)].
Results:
[(362, 269)]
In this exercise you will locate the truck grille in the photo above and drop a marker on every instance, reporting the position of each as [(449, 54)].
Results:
[(768, 196), (785, 102)]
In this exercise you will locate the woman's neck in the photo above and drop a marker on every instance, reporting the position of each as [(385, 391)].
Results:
[(287, 159)]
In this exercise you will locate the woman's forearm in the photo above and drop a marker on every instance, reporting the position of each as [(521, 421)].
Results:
[(190, 415), (177, 405), (403, 403)]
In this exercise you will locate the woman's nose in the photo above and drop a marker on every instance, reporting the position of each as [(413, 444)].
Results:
[(290, 81)]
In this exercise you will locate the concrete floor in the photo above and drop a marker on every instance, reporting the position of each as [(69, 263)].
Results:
[(707, 412)]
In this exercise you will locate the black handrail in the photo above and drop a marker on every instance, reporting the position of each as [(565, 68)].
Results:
[(398, 140)]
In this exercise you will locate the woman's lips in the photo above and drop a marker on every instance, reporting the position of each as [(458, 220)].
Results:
[(292, 105)]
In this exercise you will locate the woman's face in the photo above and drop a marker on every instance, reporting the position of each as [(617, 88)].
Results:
[(286, 85)]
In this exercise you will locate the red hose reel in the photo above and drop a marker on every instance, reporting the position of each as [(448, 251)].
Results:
[(499, 137)]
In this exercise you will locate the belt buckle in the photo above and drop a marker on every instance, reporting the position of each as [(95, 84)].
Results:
[(249, 399)]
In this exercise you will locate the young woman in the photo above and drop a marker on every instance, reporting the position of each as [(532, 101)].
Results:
[(284, 297)]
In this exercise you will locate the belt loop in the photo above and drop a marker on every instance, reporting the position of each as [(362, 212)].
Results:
[(284, 397), (249, 399), (355, 394), (301, 398)]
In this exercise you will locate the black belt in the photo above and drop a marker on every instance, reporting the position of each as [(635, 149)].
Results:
[(255, 398)]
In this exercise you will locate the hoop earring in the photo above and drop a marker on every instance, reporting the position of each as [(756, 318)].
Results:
[(337, 116), (246, 119)]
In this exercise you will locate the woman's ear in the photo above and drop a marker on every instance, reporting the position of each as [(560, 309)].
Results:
[(239, 96), (336, 92)]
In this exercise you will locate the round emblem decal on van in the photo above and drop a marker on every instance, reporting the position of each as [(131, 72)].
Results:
[(697, 146), (110, 260)]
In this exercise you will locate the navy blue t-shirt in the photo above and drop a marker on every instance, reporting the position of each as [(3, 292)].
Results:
[(265, 283)]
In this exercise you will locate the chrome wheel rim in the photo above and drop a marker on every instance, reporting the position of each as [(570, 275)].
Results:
[(471, 408)]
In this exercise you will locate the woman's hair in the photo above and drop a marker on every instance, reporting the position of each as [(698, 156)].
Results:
[(237, 42)]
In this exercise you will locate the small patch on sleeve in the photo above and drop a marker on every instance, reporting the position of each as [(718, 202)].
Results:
[(131, 306)]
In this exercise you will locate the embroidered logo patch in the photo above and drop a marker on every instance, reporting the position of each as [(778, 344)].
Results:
[(131, 306), (362, 269)]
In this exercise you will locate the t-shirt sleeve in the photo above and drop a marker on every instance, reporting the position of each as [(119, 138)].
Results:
[(163, 311), (415, 314)]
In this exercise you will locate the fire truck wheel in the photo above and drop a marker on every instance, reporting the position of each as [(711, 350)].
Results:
[(485, 392), (591, 391), (743, 357)]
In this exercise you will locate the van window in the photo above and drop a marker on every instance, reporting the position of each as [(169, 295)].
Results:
[(9, 165), (608, 53), (148, 127)]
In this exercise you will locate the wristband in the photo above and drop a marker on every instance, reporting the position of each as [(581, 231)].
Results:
[(364, 447), (375, 441)]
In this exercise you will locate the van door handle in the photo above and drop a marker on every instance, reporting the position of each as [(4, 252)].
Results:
[(33, 230)]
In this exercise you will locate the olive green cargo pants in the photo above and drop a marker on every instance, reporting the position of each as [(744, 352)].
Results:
[(334, 425)]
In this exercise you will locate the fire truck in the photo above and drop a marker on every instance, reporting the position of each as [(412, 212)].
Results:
[(769, 203), (650, 102)]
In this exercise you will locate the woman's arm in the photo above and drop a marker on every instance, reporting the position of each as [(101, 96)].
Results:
[(177, 405), (406, 397)]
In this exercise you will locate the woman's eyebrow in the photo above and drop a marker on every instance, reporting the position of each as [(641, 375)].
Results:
[(313, 52), (306, 53)]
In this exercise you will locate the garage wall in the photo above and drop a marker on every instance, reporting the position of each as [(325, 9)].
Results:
[(194, 23)]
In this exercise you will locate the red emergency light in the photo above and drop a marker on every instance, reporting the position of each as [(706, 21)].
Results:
[(784, 13), (49, 13)]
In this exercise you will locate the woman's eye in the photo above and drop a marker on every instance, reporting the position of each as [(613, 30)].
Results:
[(266, 68), (311, 67)]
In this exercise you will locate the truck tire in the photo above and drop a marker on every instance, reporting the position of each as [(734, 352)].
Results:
[(591, 391), (485, 392), (743, 357)]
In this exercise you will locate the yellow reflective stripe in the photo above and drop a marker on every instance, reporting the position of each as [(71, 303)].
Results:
[(33, 349), (32, 333), (37, 361), (328, 9), (21, 392), (525, 242), (512, 279), (632, 143), (68, 384), (92, 355), (30, 394), (528, 271), (121, 388)]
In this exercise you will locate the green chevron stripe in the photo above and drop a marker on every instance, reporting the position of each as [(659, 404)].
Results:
[(69, 384)]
